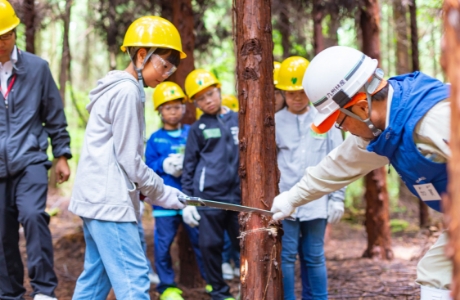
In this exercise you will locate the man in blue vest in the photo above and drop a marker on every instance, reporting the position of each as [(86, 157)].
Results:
[(403, 121)]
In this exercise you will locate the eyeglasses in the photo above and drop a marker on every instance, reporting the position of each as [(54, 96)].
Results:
[(340, 125), (208, 94), (164, 67), (6, 36)]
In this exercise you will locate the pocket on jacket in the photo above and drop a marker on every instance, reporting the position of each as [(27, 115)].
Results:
[(116, 189)]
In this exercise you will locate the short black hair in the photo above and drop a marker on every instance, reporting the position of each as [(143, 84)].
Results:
[(173, 55), (382, 94)]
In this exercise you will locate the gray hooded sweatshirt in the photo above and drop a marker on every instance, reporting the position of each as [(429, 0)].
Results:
[(111, 171)]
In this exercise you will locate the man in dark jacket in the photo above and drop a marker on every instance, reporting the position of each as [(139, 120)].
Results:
[(210, 171), (31, 110)]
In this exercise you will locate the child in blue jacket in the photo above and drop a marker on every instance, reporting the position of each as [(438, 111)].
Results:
[(165, 155)]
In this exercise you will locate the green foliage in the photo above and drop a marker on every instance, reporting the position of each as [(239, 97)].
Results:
[(398, 225)]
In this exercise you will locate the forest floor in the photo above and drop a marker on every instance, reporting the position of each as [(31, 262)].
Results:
[(349, 275)]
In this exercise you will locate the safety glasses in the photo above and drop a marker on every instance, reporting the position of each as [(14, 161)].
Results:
[(163, 66)]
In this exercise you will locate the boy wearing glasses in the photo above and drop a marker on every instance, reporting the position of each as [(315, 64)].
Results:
[(298, 148), (111, 171), (165, 155), (31, 110), (210, 171)]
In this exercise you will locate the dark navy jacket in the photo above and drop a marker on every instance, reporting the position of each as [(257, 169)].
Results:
[(212, 159), (159, 146), (35, 112), (414, 95)]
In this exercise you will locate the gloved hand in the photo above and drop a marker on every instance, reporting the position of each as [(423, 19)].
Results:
[(169, 166), (170, 199), (178, 160), (335, 211), (282, 207), (191, 216)]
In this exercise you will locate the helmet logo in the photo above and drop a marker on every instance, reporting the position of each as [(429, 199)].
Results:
[(294, 80), (172, 92), (200, 82)]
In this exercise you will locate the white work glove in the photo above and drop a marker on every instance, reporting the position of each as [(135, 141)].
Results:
[(169, 166), (282, 207), (335, 211), (191, 216), (178, 160), (170, 199)]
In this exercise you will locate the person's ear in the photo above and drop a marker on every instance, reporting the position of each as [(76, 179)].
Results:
[(141, 54), (361, 109)]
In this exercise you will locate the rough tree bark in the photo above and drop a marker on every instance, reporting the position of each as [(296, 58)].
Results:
[(377, 201), (29, 21), (402, 43), (451, 203), (414, 35), (182, 18), (261, 276), (318, 38)]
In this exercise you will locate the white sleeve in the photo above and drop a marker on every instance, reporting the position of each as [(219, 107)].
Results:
[(343, 165)]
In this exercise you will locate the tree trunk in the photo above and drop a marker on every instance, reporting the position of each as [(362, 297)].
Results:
[(284, 27), (333, 26), (318, 38), (451, 203), (112, 31), (261, 276), (29, 21), (402, 43), (377, 201), (182, 18), (65, 57), (414, 35)]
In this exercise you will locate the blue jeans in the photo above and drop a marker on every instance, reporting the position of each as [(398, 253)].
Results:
[(165, 231), (309, 237), (144, 244), (230, 252), (114, 258)]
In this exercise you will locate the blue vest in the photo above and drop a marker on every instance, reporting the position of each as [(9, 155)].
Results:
[(414, 95)]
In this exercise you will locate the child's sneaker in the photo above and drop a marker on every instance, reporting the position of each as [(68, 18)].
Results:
[(43, 297), (208, 288), (171, 293), (236, 272), (227, 271)]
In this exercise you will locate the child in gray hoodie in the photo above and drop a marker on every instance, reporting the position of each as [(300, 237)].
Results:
[(111, 172)]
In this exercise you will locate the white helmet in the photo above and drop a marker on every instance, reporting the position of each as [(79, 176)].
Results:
[(334, 76)]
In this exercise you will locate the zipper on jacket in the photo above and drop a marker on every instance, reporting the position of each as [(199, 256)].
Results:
[(228, 133)]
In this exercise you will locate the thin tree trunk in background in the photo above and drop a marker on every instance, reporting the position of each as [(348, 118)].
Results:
[(284, 27), (318, 38), (333, 26), (424, 213), (389, 45), (377, 200), (182, 18), (414, 35), (433, 50), (261, 276), (402, 42), (29, 21), (112, 30), (65, 57), (451, 203)]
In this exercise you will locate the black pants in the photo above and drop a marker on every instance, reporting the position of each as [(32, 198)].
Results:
[(23, 201), (212, 225)]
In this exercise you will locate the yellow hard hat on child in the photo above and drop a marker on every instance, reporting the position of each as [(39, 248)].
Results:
[(276, 71), (231, 102), (167, 91), (153, 31), (291, 73), (198, 80), (8, 17)]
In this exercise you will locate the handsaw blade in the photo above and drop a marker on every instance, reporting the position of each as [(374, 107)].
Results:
[(197, 201)]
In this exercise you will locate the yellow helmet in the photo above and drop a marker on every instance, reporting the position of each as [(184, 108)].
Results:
[(276, 71), (199, 113), (165, 92), (231, 102), (198, 80), (291, 73), (8, 17), (153, 31)]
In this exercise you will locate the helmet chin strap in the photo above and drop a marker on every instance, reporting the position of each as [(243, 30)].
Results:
[(375, 81)]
